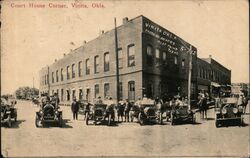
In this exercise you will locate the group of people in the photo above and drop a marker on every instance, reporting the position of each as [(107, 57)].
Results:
[(53, 100)]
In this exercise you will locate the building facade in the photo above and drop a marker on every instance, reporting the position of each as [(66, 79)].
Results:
[(149, 60)]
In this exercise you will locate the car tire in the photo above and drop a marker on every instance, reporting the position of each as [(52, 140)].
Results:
[(9, 121), (172, 119), (87, 119), (140, 119), (217, 124)]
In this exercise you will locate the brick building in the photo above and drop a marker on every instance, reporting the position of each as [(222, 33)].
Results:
[(151, 60)]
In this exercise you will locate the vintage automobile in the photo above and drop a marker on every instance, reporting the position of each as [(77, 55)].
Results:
[(227, 110), (181, 113), (99, 112), (8, 112), (149, 112), (48, 113)]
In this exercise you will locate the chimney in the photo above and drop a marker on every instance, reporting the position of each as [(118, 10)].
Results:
[(84, 42), (101, 32), (210, 56), (55, 60), (124, 20)]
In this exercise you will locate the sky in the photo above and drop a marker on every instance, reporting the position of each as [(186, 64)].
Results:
[(32, 38)]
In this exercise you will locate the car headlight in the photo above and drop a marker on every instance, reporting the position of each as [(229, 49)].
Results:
[(240, 109), (224, 111), (235, 110)]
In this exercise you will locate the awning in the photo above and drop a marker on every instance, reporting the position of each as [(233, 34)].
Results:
[(215, 84)]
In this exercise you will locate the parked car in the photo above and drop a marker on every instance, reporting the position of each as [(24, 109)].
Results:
[(227, 110), (99, 112), (8, 112), (180, 114), (48, 114), (149, 112)]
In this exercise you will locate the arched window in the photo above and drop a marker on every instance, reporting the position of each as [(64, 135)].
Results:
[(96, 64), (73, 71), (106, 61), (131, 55), (80, 68)]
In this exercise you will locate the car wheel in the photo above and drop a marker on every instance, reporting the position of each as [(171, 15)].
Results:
[(9, 121), (87, 119), (140, 119), (109, 120), (172, 119), (60, 123), (217, 124)]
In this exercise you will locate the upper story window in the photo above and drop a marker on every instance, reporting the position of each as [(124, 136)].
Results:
[(164, 57), (87, 67), (149, 55), (57, 76), (157, 57), (62, 74), (80, 68), (175, 60), (68, 72), (73, 70), (106, 61), (52, 74), (96, 62), (131, 55), (120, 59)]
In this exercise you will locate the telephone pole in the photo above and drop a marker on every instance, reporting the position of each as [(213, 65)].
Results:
[(117, 64)]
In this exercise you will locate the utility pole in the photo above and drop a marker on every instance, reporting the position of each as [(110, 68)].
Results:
[(48, 81), (189, 76), (117, 64)]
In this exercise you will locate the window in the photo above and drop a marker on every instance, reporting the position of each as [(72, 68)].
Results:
[(57, 76), (68, 95), (106, 61), (149, 55), (164, 57), (87, 67), (150, 90), (183, 63), (96, 64), (80, 94), (131, 90), (68, 73), (62, 95), (157, 57), (80, 68), (61, 74), (120, 91), (106, 90), (52, 74), (96, 90), (131, 55), (120, 60), (73, 71), (175, 60)]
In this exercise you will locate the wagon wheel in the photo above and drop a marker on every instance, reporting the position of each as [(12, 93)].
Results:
[(140, 119), (87, 119), (9, 121)]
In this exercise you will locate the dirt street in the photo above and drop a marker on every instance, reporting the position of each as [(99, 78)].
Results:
[(75, 138)]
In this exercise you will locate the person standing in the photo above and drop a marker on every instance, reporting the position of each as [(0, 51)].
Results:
[(75, 109)]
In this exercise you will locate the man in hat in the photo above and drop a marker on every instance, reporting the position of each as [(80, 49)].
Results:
[(75, 108)]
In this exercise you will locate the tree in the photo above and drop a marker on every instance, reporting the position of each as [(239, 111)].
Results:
[(26, 92)]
